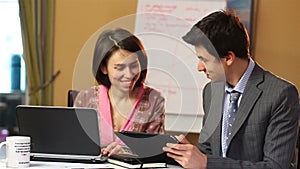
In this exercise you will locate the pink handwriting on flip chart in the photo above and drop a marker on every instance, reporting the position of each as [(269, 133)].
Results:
[(160, 24)]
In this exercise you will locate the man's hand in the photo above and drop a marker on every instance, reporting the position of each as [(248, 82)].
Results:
[(186, 154)]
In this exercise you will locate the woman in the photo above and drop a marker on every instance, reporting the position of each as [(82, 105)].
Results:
[(123, 101)]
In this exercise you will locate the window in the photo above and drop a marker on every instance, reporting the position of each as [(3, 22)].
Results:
[(12, 66)]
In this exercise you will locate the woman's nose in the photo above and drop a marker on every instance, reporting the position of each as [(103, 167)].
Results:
[(128, 72)]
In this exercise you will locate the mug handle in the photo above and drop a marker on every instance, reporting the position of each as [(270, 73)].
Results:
[(2, 144)]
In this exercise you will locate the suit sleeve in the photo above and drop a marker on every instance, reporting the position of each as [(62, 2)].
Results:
[(205, 147)]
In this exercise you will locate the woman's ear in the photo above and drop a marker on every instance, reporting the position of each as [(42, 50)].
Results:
[(103, 68)]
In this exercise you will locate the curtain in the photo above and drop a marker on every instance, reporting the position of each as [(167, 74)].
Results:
[(37, 24)]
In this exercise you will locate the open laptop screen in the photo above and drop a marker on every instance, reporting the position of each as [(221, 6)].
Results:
[(60, 130)]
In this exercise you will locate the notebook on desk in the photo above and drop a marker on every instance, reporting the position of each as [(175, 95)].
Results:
[(147, 149), (61, 133)]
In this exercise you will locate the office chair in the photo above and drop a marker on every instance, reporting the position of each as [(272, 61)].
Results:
[(71, 97), (298, 148), (298, 144)]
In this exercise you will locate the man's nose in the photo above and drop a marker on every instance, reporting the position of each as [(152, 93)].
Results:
[(201, 66)]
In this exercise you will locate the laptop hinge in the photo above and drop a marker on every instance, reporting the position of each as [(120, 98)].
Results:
[(64, 156)]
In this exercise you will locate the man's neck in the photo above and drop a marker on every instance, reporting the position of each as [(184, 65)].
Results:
[(237, 71)]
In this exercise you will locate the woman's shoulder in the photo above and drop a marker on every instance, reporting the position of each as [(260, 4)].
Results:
[(87, 97), (88, 92)]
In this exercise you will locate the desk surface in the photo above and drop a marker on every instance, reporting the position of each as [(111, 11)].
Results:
[(65, 165)]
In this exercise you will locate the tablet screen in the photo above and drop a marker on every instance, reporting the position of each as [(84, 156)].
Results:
[(145, 144)]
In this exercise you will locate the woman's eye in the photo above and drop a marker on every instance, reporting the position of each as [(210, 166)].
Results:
[(135, 65), (120, 68)]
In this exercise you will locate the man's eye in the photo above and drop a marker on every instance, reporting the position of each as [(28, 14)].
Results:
[(202, 59)]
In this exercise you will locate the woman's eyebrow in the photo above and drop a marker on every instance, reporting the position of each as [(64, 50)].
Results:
[(119, 64), (134, 62), (122, 64)]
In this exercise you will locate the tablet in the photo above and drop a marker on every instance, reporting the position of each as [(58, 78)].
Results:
[(148, 146)]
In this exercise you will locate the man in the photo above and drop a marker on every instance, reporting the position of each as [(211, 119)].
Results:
[(257, 129)]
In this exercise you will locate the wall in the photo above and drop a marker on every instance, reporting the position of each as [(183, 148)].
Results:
[(75, 22), (277, 40), (276, 37)]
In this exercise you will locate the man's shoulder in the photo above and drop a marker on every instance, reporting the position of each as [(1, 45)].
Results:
[(277, 87), (276, 80), (269, 78)]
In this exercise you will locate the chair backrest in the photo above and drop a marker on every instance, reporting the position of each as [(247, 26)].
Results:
[(298, 144), (71, 97), (298, 148)]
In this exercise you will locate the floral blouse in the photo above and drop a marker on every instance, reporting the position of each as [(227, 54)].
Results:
[(148, 113)]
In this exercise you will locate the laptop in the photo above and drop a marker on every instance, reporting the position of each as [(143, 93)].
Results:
[(61, 133)]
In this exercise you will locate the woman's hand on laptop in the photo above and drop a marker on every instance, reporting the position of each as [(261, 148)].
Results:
[(115, 148)]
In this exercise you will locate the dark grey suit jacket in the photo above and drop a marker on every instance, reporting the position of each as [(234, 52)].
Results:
[(265, 128)]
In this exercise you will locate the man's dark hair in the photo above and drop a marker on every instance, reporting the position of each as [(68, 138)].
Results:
[(220, 32)]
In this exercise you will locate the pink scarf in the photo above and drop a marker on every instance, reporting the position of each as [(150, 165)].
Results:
[(105, 120)]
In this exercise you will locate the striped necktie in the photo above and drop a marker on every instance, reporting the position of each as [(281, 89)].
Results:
[(229, 118)]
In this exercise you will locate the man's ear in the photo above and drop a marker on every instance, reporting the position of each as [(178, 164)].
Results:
[(230, 58), (103, 68)]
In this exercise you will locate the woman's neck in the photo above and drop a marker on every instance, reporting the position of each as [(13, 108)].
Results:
[(118, 95), (121, 105)]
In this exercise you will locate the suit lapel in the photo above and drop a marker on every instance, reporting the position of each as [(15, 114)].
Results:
[(250, 96), (212, 126)]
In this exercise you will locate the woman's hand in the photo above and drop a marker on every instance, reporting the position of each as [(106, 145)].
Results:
[(115, 148)]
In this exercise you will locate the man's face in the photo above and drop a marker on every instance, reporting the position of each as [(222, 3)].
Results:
[(210, 65)]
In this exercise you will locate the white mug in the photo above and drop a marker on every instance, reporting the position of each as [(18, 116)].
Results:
[(17, 151)]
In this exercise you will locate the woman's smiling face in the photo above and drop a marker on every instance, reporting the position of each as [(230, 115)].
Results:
[(123, 69)]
